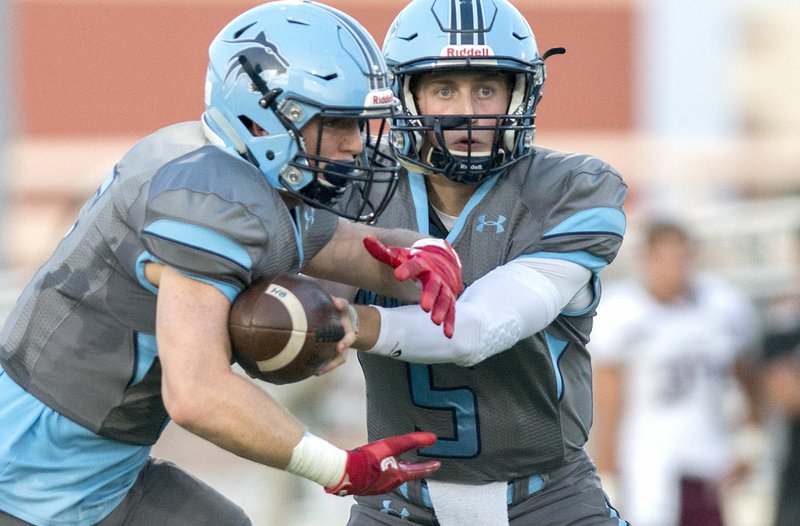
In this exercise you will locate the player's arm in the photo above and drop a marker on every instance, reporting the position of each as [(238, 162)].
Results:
[(203, 395), (394, 262), (201, 392), (781, 383), (345, 260), (510, 303)]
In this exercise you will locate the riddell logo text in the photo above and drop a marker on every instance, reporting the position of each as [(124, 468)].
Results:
[(467, 51), (382, 99), (379, 98)]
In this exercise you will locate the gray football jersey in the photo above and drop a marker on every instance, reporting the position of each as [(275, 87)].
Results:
[(81, 338), (523, 410)]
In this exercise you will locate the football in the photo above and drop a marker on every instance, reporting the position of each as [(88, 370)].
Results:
[(283, 329)]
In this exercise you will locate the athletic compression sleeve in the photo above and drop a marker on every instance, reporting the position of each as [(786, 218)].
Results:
[(513, 301)]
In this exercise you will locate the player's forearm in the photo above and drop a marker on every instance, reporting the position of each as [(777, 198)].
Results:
[(199, 389), (233, 413), (510, 303), (345, 260)]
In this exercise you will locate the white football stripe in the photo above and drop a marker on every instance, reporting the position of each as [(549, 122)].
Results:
[(299, 325)]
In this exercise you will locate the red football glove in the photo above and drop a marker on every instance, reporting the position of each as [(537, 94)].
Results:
[(436, 265), (372, 469)]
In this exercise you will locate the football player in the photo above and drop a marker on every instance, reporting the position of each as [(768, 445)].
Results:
[(668, 347), (125, 326), (509, 396)]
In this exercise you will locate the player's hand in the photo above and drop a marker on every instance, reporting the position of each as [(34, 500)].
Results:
[(372, 469), (349, 317), (437, 267)]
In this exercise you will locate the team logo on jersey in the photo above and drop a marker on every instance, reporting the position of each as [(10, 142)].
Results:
[(263, 55), (497, 224)]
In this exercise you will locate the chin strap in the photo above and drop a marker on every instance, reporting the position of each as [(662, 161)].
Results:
[(460, 168)]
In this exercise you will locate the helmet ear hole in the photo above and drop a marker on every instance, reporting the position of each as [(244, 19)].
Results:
[(254, 129)]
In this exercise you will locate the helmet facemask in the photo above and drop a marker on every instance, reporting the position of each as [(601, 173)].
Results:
[(321, 181), (478, 36), (513, 131)]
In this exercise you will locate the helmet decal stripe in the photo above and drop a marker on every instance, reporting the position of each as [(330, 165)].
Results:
[(467, 23), (480, 23), (454, 35), (371, 54)]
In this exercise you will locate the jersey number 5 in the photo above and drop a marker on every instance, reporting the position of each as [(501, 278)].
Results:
[(461, 403)]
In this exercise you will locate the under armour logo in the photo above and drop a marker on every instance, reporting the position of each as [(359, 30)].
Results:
[(498, 225), (387, 508), (308, 217)]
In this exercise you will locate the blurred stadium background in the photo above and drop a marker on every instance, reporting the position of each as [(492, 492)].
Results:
[(695, 102)]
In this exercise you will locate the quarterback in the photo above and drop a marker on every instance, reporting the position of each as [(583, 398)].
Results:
[(509, 396)]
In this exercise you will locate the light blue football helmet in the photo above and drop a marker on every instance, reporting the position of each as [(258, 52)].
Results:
[(441, 35), (282, 64)]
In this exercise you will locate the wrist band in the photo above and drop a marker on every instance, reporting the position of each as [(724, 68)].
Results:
[(318, 460), (353, 318)]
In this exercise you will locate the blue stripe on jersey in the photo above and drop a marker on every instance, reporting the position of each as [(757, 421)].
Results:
[(419, 194), (298, 236), (227, 289), (556, 347), (476, 198), (426, 495), (146, 352), (600, 220), (144, 258), (201, 238), (584, 259), (615, 514), (593, 305), (62, 473), (535, 483)]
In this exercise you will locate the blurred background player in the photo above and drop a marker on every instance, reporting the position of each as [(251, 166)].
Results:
[(668, 347), (509, 397), (125, 326), (781, 384)]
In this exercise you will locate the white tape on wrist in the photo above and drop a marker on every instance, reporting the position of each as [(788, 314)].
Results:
[(318, 460), (353, 318)]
